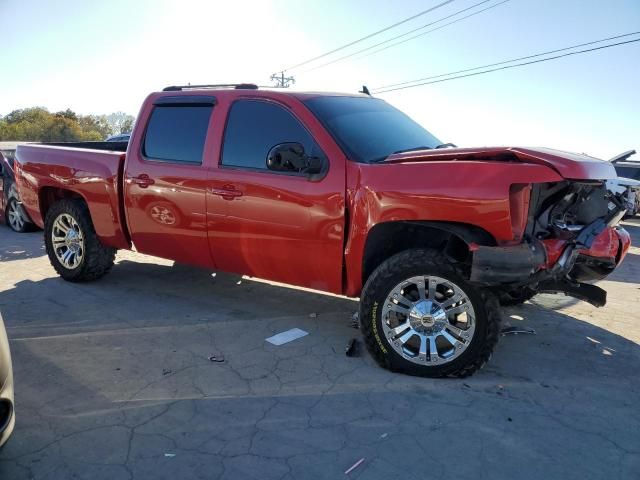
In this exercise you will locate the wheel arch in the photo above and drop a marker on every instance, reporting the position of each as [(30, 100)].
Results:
[(47, 196), (388, 238), (107, 227)]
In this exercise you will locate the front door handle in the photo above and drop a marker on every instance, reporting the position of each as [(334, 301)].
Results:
[(143, 181), (226, 192)]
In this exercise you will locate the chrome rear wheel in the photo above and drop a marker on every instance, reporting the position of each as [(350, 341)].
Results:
[(68, 241)]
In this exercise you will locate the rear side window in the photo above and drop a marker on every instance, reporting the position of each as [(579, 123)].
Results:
[(177, 133), (254, 127)]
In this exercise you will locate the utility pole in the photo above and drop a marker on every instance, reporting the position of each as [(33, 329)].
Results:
[(282, 81)]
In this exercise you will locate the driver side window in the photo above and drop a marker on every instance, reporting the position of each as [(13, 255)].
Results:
[(254, 127)]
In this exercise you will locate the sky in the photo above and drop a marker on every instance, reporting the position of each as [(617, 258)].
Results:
[(105, 56)]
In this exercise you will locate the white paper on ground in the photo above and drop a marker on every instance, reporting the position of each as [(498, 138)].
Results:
[(288, 336)]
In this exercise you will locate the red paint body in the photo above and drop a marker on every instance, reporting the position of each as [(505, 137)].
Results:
[(287, 228)]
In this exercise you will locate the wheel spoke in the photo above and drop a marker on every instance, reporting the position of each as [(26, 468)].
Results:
[(433, 283), (66, 256), (423, 346), (399, 329), (399, 308), (405, 338), (452, 340), (433, 349), (421, 288), (458, 332), (451, 301)]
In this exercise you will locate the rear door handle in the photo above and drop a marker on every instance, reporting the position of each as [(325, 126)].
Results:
[(226, 192), (143, 181)]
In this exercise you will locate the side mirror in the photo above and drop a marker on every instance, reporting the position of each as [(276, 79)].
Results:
[(291, 157)]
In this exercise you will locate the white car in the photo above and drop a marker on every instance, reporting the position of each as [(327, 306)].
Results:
[(7, 417)]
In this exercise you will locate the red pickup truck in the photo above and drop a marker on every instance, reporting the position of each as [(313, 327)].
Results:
[(341, 193)]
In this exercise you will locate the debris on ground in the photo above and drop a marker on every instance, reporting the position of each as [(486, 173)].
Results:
[(169, 455), (355, 321), (286, 337), (166, 371), (218, 358), (352, 348), (384, 435), (354, 466), (517, 330), (313, 315)]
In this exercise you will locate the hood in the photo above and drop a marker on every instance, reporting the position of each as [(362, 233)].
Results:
[(569, 165)]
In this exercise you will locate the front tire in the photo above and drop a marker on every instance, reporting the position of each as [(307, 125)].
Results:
[(73, 247), (420, 316)]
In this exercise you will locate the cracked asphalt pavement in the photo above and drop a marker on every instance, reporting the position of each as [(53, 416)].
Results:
[(114, 381)]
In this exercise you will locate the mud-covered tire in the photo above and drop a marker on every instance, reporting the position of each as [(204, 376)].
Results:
[(97, 259), (426, 262), (515, 297)]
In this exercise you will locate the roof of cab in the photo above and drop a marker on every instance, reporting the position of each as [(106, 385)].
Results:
[(243, 88)]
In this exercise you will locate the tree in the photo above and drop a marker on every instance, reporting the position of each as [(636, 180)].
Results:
[(120, 122), (37, 124)]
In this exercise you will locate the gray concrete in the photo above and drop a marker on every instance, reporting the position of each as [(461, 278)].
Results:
[(113, 381)]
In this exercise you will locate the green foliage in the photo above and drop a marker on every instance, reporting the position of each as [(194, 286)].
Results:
[(37, 124)]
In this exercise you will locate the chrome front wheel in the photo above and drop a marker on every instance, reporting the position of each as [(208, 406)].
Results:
[(420, 315), (68, 241), (428, 320)]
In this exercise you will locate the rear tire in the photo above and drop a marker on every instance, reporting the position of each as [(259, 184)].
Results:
[(474, 336), (78, 255)]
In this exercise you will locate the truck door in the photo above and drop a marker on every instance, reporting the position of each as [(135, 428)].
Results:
[(282, 226), (165, 179)]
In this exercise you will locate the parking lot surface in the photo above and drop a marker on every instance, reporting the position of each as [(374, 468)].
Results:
[(114, 381)]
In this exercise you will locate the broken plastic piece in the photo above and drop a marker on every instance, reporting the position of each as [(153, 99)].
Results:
[(313, 315), (354, 466), (517, 330), (170, 455), (218, 358), (352, 348)]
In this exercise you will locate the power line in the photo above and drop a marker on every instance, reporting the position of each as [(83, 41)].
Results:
[(409, 33), (508, 66), (432, 30), (424, 12), (505, 61)]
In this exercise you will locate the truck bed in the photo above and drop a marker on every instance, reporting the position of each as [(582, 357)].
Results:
[(108, 146), (50, 171)]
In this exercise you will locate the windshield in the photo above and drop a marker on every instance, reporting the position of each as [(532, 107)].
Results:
[(369, 129)]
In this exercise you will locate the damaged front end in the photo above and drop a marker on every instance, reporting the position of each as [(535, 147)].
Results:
[(571, 237)]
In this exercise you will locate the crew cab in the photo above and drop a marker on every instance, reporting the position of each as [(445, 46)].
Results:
[(335, 192)]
